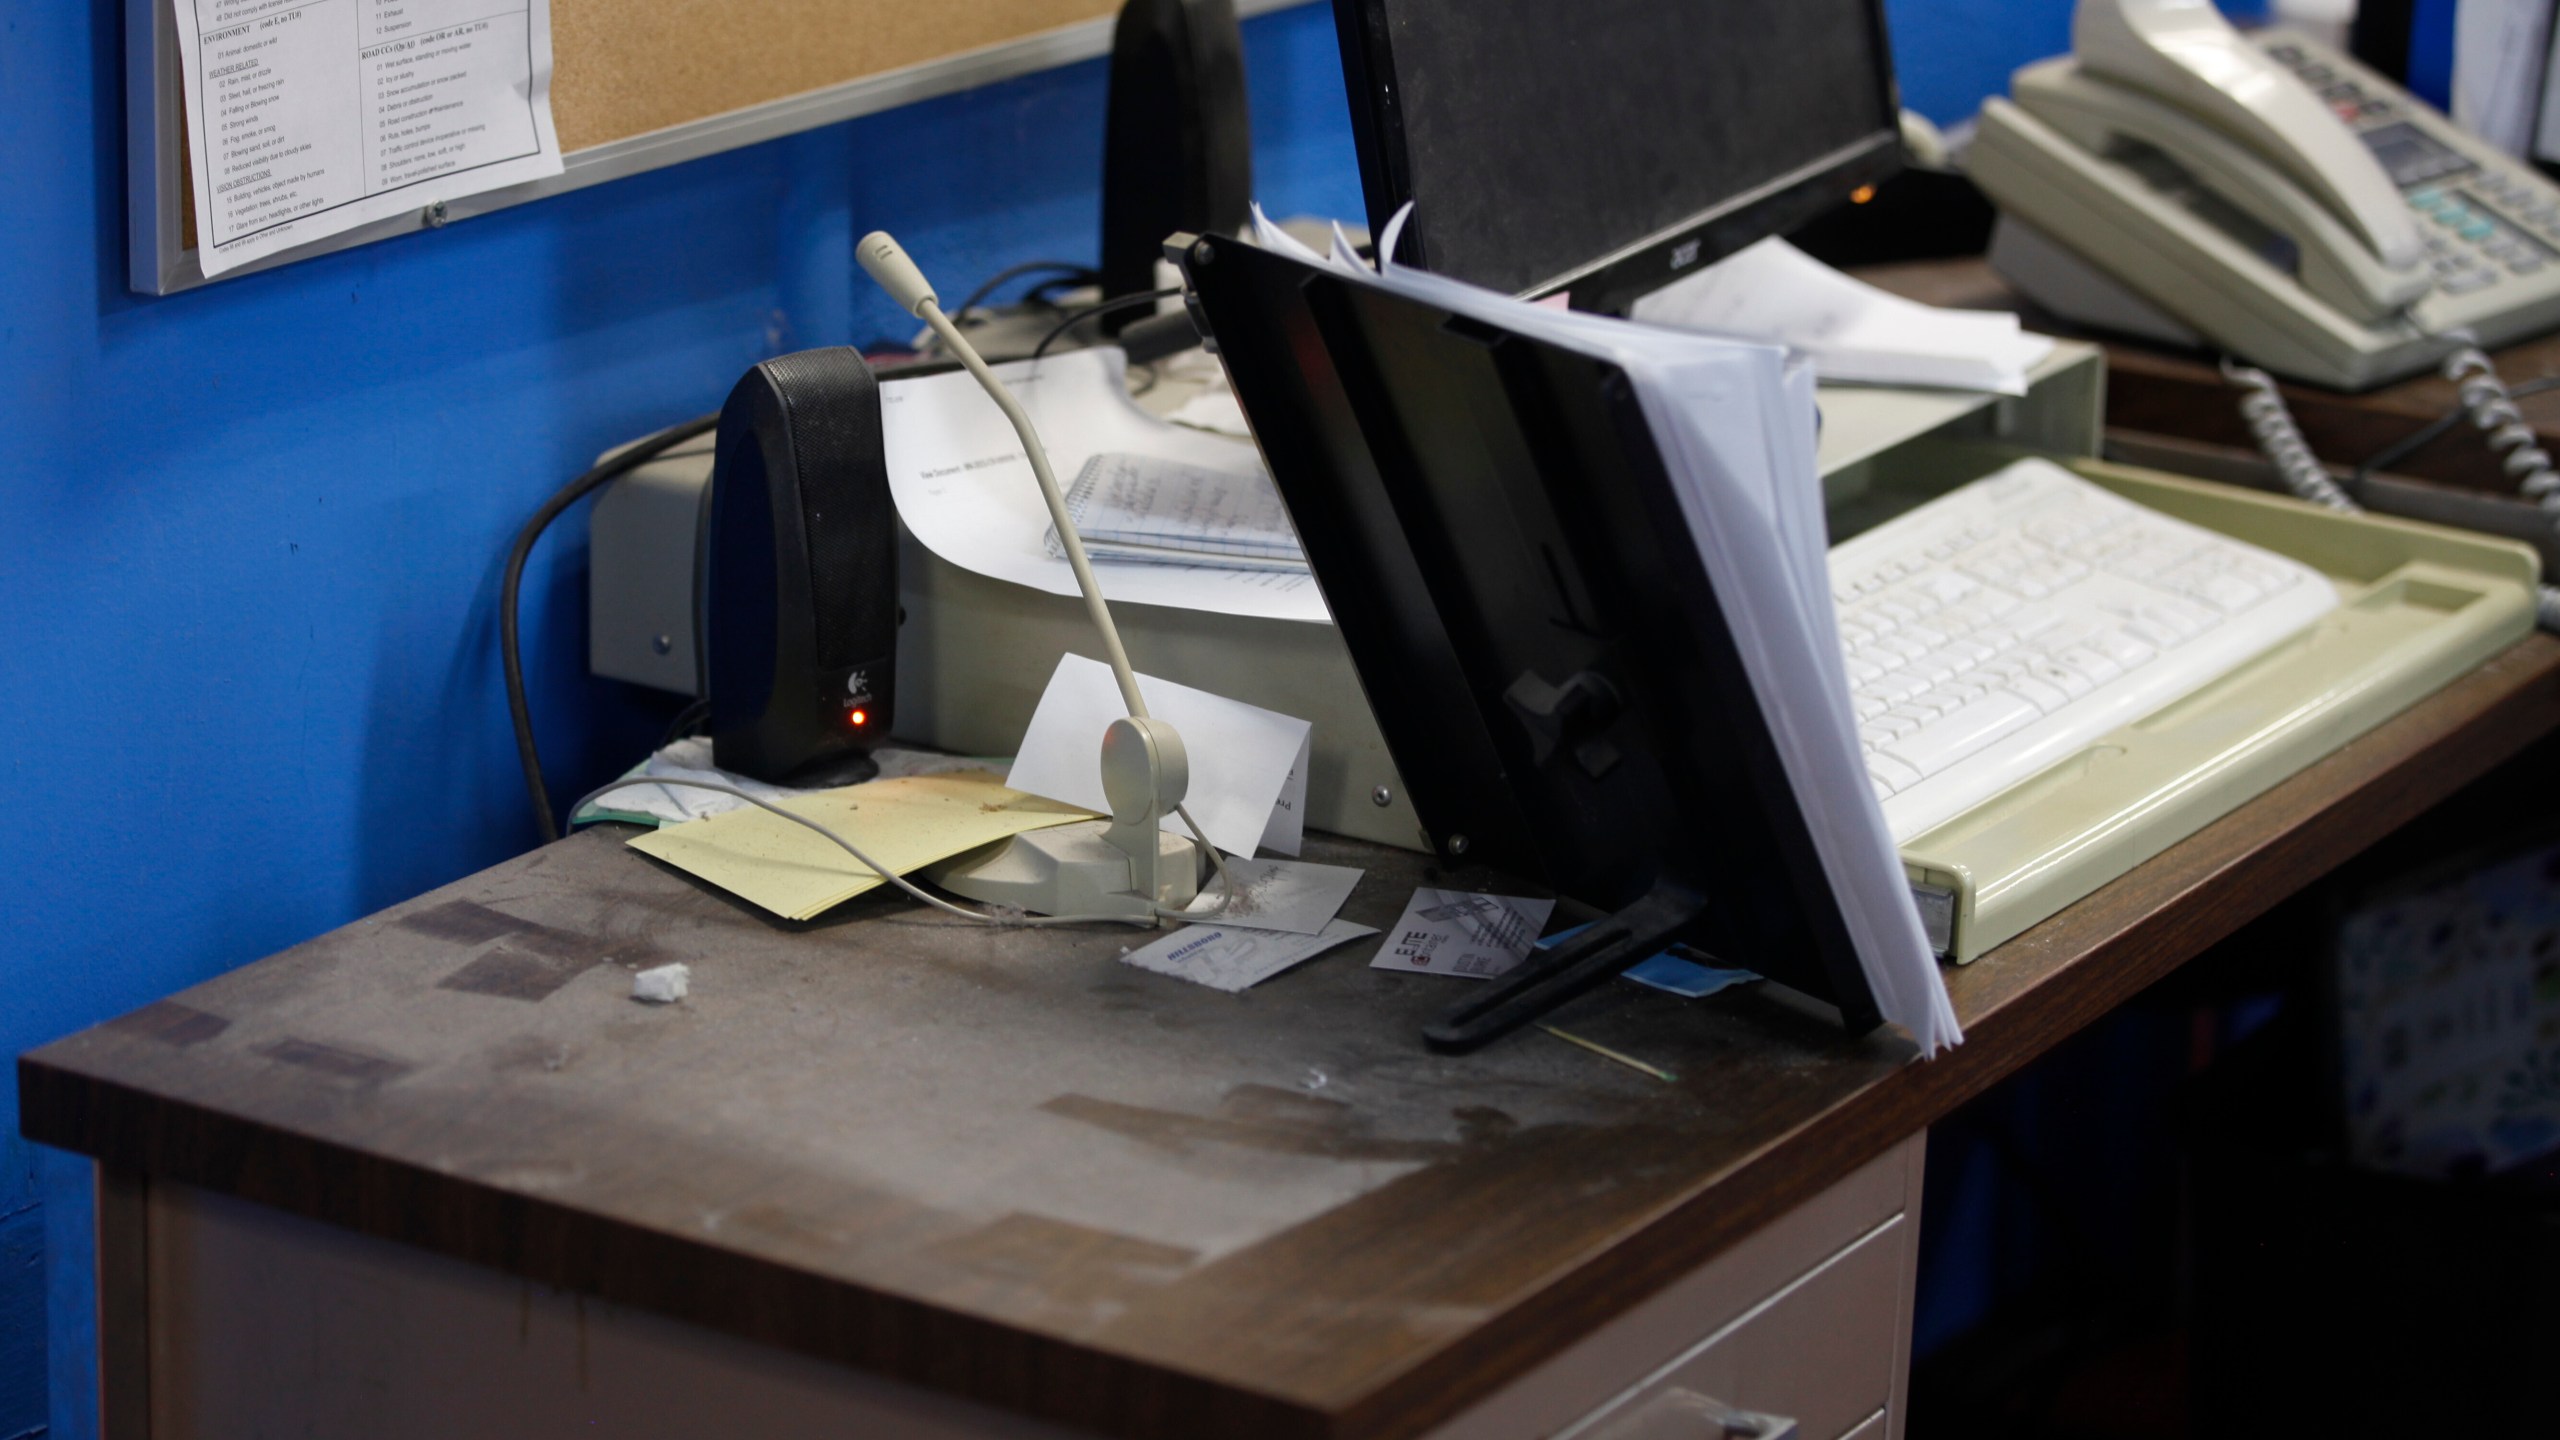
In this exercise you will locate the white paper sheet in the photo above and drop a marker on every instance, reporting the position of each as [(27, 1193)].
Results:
[(1287, 832), (1775, 293), (309, 117), (1291, 895), (1231, 959), (1456, 932), (963, 486), (1216, 411), (1241, 755)]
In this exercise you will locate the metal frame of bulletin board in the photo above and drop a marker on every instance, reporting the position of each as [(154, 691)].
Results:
[(161, 261)]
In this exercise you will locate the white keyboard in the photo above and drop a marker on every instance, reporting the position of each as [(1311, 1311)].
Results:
[(2001, 628)]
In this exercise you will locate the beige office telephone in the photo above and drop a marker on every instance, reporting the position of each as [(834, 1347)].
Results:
[(2262, 195)]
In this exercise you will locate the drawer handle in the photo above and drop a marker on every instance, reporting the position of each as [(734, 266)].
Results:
[(1678, 1414)]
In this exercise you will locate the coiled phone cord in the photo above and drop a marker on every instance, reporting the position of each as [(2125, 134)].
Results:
[(2492, 408), (2280, 439), (2484, 396)]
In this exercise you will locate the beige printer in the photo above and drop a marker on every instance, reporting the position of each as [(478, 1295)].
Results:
[(2421, 606)]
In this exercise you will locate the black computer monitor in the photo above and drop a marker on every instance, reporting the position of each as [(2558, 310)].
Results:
[(1605, 147)]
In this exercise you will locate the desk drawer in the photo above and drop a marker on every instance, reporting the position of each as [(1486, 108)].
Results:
[(1810, 1317), (1824, 1350)]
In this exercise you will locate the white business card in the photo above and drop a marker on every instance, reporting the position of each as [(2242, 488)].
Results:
[(1458, 932)]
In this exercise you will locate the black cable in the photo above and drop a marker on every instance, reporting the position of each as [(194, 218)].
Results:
[(1107, 307), (510, 653), (1075, 275), (691, 715), (2436, 429), (2401, 449), (1041, 293)]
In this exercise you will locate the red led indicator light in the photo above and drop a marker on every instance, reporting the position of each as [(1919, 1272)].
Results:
[(860, 717)]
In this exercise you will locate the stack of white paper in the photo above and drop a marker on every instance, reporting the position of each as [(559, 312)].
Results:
[(1853, 331), (1136, 509), (1735, 426)]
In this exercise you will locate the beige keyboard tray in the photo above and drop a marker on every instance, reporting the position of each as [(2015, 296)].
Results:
[(2421, 605)]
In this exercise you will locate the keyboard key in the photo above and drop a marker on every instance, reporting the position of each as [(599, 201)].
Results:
[(1895, 688), (1969, 653), (2120, 647), (2063, 678), (2089, 661), (2183, 620), (1959, 733), (2150, 632), (2047, 698), (2227, 593), (1891, 773)]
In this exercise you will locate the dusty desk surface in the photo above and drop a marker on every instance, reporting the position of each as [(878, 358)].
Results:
[(1006, 1165)]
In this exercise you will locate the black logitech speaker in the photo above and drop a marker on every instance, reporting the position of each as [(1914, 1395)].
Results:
[(1177, 151), (800, 590)]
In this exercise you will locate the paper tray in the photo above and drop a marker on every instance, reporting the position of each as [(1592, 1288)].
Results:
[(2420, 606)]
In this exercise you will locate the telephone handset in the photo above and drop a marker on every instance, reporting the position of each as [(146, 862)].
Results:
[(2184, 52), (2259, 194)]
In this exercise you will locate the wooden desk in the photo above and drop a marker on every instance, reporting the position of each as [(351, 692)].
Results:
[(2182, 394), (1003, 1167)]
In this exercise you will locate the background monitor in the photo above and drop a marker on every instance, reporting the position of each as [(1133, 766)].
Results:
[(1605, 147)]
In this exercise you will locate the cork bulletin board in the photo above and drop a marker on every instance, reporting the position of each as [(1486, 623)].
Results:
[(637, 84), (622, 68)]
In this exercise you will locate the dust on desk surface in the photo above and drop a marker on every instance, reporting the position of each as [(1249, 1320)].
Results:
[(899, 1100)]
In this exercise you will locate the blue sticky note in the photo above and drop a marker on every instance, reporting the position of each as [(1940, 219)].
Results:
[(1670, 972), (1667, 971)]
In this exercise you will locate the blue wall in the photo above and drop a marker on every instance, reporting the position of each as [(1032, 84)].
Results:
[(250, 536)]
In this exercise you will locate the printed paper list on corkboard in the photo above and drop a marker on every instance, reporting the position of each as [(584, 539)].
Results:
[(622, 68)]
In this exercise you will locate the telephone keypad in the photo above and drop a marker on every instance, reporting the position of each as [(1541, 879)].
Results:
[(2485, 225), (2493, 240)]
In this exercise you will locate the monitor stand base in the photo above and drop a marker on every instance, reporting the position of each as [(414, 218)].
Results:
[(1550, 977)]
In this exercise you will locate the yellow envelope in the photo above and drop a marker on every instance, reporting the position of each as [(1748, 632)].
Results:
[(905, 824)]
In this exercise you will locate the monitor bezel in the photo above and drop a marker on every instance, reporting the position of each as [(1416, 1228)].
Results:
[(1611, 283)]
